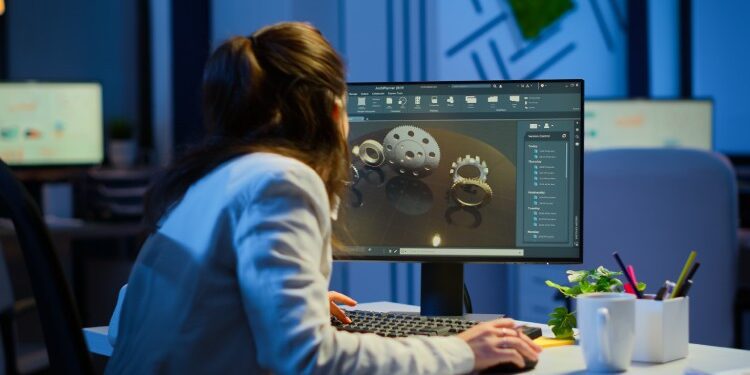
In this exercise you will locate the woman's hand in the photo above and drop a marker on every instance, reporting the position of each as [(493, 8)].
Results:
[(497, 342), (334, 298)]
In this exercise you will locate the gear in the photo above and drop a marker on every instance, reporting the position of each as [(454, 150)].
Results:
[(355, 174), (462, 182), (370, 152), (469, 161), (411, 151)]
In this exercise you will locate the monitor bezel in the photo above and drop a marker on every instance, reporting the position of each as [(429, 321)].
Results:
[(338, 255), (72, 167)]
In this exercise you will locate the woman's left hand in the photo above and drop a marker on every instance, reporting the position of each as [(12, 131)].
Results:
[(334, 298)]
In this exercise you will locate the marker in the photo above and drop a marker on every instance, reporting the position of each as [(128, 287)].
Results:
[(628, 288), (660, 294), (683, 274), (638, 293)]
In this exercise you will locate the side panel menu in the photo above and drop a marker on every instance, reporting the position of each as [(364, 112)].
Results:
[(546, 183)]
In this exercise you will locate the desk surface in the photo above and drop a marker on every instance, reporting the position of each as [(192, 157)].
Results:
[(559, 360)]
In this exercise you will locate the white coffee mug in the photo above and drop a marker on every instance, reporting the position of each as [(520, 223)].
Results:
[(606, 325)]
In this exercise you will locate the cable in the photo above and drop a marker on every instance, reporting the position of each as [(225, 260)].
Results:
[(467, 301)]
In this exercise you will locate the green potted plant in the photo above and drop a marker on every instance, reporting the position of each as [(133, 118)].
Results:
[(600, 279), (123, 148)]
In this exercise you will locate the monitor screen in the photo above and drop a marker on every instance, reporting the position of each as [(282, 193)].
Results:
[(648, 124), (51, 124), (464, 171)]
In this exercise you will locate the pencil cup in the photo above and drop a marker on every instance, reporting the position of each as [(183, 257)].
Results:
[(661, 330)]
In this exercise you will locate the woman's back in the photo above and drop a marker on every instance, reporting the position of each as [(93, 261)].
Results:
[(184, 310)]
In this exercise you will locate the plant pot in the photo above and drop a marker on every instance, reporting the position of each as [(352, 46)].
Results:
[(122, 152)]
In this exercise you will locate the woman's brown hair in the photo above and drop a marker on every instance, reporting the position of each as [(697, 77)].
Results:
[(273, 91)]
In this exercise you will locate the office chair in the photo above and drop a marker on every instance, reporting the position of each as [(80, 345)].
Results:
[(742, 302), (656, 205), (15, 358), (7, 340), (59, 317)]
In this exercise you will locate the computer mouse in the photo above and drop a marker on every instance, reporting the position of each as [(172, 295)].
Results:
[(510, 368)]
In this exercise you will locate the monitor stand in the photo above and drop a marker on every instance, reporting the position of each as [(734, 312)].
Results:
[(442, 290)]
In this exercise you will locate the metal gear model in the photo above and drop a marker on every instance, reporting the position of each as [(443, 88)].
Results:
[(355, 174), (468, 162), (411, 151), (464, 199), (370, 152)]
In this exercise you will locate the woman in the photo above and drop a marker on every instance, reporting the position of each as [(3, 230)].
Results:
[(233, 278)]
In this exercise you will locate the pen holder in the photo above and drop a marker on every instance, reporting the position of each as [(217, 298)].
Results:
[(661, 330)]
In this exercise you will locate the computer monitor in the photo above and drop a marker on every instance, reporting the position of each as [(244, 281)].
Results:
[(51, 124), (648, 124), (446, 173)]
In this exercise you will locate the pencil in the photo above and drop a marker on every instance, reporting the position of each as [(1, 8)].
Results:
[(683, 274)]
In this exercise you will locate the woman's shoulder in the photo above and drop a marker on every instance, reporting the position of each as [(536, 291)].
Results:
[(260, 171), (260, 166)]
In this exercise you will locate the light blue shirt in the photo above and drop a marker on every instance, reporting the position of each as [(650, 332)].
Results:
[(235, 281)]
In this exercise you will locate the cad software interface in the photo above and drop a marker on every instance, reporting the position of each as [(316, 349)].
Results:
[(472, 170)]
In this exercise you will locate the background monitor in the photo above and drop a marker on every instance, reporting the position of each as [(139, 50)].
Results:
[(648, 124), (454, 172), (51, 124)]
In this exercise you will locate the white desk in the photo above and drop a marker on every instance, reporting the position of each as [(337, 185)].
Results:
[(559, 360)]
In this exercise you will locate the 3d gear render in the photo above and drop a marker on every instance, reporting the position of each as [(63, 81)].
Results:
[(412, 151)]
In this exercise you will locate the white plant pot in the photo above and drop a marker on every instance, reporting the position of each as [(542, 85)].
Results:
[(122, 153)]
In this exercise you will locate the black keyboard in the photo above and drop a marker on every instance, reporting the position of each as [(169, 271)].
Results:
[(405, 324)]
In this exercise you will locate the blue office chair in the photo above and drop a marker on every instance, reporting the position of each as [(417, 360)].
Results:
[(656, 205)]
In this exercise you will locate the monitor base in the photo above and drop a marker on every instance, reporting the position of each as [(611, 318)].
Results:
[(442, 289)]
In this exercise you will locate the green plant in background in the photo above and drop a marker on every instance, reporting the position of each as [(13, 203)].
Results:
[(533, 16), (120, 128), (585, 281)]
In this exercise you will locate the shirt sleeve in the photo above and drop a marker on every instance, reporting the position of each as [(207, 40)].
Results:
[(280, 237)]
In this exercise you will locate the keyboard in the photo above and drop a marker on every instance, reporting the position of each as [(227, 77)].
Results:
[(405, 324)]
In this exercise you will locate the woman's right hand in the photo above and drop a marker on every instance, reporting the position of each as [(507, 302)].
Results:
[(497, 342)]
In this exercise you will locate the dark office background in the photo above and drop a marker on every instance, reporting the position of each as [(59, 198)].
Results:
[(149, 54)]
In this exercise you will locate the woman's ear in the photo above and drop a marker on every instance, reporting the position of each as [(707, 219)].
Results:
[(338, 107), (338, 114)]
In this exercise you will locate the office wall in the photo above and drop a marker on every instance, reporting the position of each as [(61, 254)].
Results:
[(485, 40), (720, 55), (77, 40), (664, 48), (242, 17)]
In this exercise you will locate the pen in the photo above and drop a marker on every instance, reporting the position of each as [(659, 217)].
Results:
[(683, 274), (638, 293), (693, 270), (686, 288), (689, 282)]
